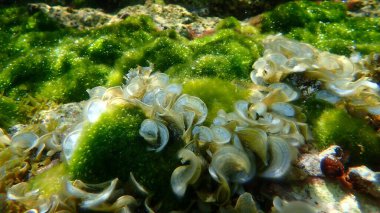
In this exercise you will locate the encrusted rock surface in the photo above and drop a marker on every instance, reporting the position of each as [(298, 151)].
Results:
[(61, 118), (360, 8), (329, 194), (82, 19), (66, 114), (310, 164), (165, 17), (325, 196), (172, 17), (365, 180)]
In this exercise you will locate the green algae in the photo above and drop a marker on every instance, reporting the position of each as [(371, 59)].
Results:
[(10, 112), (332, 125), (61, 63), (105, 49), (50, 182), (165, 52), (61, 53), (227, 54), (216, 93), (5, 155), (336, 126), (45, 60), (300, 14), (324, 25), (112, 147), (313, 108), (229, 23)]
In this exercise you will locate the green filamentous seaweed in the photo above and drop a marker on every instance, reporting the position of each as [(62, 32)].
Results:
[(216, 93), (326, 26), (228, 54), (42, 59), (336, 126), (112, 147), (10, 113)]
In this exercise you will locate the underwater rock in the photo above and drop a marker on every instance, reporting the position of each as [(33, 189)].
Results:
[(324, 195), (76, 18), (365, 180), (333, 150), (172, 16), (310, 164), (64, 116), (360, 8), (164, 16)]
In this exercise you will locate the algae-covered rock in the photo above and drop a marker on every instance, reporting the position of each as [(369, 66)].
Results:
[(57, 54), (112, 147), (105, 49), (61, 63), (299, 14), (227, 54), (217, 94), (228, 23), (43, 59), (165, 52), (99, 156), (335, 126), (324, 25)]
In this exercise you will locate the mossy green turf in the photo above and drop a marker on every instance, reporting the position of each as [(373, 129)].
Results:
[(324, 25), (48, 60), (45, 60), (10, 113), (331, 125), (227, 54), (216, 93), (112, 147), (336, 126)]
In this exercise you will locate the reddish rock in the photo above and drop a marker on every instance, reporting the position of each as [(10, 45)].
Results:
[(365, 180)]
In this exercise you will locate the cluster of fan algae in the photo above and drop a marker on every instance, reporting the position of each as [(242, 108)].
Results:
[(343, 83)]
